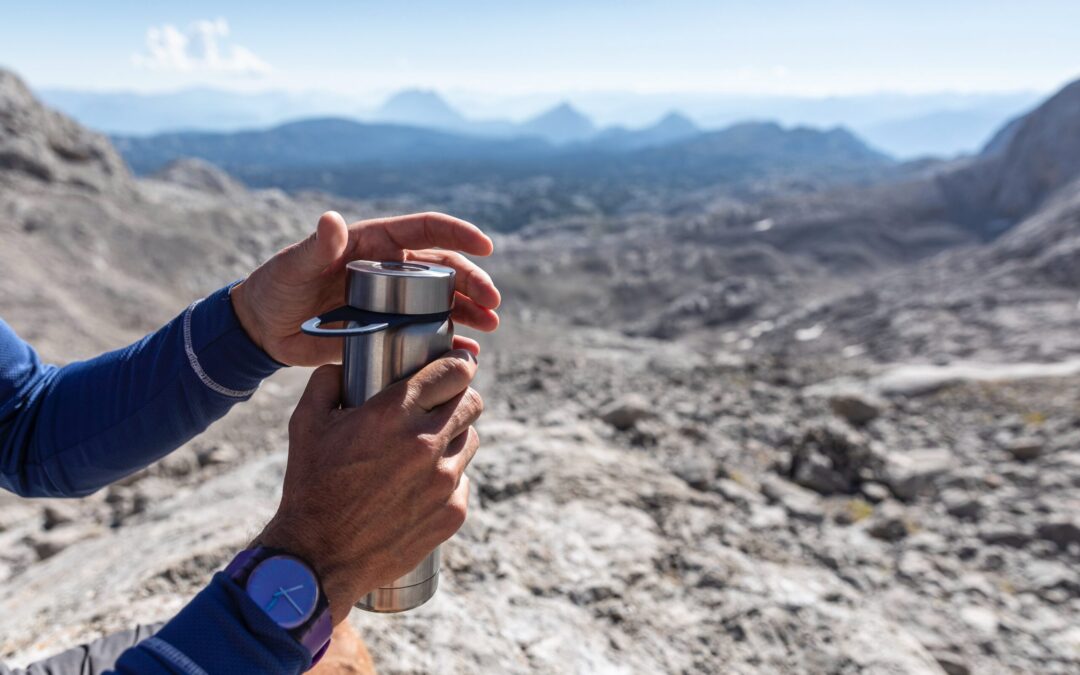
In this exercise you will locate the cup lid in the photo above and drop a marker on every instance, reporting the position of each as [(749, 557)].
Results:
[(392, 287)]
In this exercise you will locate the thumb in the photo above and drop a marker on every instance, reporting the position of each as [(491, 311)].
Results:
[(325, 245), (323, 390)]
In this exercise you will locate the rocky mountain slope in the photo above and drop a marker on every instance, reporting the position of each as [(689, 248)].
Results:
[(796, 433), (1026, 162)]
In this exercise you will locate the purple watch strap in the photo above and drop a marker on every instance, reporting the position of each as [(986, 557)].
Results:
[(313, 635)]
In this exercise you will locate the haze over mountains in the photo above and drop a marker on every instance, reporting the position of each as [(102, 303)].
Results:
[(365, 160), (901, 125)]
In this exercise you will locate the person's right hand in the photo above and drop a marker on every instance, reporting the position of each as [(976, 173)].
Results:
[(370, 491)]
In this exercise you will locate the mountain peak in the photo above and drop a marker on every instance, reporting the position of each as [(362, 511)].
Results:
[(674, 125), (675, 119), (562, 123), (420, 107)]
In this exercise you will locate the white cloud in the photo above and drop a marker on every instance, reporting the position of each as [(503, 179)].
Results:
[(203, 47)]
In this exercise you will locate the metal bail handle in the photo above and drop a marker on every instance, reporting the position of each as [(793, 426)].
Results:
[(372, 322)]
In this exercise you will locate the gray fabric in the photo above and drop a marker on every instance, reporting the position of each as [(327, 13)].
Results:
[(93, 658)]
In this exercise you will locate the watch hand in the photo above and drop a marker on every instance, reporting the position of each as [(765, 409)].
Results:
[(273, 601), (291, 602)]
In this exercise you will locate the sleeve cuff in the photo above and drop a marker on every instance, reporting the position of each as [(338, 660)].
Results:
[(222, 631), (219, 349)]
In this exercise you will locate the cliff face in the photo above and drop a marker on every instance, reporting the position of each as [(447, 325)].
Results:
[(50, 147), (1026, 162)]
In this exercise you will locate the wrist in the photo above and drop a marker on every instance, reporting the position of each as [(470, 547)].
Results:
[(338, 583), (241, 304), (288, 592)]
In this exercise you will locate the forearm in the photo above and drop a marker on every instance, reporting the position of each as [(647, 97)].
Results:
[(81, 427), (220, 631)]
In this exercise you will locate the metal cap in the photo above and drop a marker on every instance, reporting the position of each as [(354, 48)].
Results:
[(400, 287)]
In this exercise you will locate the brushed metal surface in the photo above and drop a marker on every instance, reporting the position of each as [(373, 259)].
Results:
[(373, 362), (399, 599), (400, 287)]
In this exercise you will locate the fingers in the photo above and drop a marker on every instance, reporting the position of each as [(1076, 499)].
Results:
[(468, 344), (473, 315), (431, 230), (470, 279), (442, 380), (454, 417), (323, 390), (310, 257), (451, 514), (323, 394), (462, 450)]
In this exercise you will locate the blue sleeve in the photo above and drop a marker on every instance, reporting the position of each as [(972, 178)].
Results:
[(70, 431), (67, 432), (220, 631)]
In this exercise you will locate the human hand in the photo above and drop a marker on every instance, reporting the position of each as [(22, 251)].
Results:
[(308, 278), (370, 491)]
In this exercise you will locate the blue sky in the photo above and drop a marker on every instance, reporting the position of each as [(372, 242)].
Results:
[(514, 48)]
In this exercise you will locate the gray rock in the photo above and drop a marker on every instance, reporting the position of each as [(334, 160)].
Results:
[(874, 492), (47, 544), (59, 513), (856, 407), (1061, 532), (913, 473), (1025, 449), (797, 501), (829, 458), (1003, 534), (961, 504), (217, 454), (889, 523), (952, 664), (627, 410), (983, 620)]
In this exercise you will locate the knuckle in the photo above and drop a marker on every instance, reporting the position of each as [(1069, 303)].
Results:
[(429, 444), (454, 515), (456, 368), (473, 401), (445, 481)]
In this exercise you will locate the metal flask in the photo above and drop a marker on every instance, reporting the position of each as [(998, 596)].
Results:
[(397, 320)]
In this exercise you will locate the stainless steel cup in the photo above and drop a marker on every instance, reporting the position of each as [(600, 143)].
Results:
[(397, 320)]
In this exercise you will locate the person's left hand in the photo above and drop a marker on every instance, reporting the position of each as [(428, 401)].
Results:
[(308, 278)]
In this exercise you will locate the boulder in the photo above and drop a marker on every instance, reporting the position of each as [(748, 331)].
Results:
[(1025, 449), (1061, 532), (626, 411), (797, 501), (913, 473), (829, 458), (889, 523), (856, 407)]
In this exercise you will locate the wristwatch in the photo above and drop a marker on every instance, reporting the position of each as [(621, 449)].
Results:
[(287, 589)]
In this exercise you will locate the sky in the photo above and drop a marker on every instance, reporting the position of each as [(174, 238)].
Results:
[(820, 48)]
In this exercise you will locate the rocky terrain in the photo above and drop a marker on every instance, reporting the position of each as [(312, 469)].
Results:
[(834, 430)]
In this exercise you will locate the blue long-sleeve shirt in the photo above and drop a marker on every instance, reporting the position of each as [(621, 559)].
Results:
[(69, 431)]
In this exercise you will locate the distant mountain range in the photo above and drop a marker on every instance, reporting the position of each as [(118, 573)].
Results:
[(359, 159), (904, 126)]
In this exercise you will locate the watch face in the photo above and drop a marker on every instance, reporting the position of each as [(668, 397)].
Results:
[(286, 590)]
